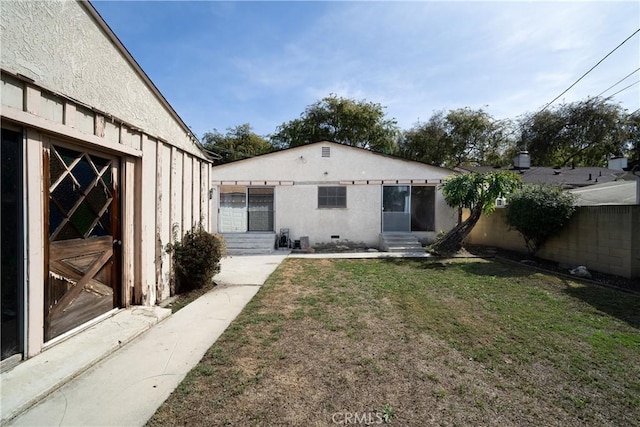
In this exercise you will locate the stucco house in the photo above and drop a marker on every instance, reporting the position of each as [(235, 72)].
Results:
[(329, 192), (98, 170)]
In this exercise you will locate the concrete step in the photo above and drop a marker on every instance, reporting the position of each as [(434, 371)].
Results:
[(248, 237), (35, 378), (249, 243), (249, 251), (400, 242), (405, 249)]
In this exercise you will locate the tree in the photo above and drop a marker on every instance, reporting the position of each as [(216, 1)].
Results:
[(631, 128), (477, 138), (346, 121), (459, 137), (428, 142), (582, 133), (238, 143), (478, 193), (538, 211)]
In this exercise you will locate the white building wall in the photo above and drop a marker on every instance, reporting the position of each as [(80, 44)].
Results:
[(297, 209), (297, 173)]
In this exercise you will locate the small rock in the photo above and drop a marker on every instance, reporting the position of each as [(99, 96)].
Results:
[(528, 262), (372, 250), (581, 271)]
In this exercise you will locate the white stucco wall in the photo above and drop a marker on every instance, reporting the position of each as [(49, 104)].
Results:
[(297, 209), (307, 164), (296, 174), (60, 46)]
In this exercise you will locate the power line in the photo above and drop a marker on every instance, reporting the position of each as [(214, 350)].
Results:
[(619, 81), (590, 70), (623, 89)]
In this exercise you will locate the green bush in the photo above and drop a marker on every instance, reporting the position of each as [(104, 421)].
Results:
[(196, 258), (538, 211)]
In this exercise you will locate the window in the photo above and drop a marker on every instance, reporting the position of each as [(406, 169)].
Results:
[(332, 197)]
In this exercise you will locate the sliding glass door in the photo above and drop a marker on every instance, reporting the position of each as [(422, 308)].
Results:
[(407, 208)]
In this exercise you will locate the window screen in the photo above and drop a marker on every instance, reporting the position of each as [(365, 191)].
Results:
[(332, 197)]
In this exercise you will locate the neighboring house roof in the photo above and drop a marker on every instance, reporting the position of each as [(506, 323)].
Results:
[(340, 163), (566, 177), (609, 193)]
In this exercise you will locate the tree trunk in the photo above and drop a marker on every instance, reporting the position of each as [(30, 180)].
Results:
[(451, 242)]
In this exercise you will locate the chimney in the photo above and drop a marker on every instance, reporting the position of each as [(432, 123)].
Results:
[(522, 160), (617, 163)]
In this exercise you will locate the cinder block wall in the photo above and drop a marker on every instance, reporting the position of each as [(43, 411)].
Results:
[(602, 238)]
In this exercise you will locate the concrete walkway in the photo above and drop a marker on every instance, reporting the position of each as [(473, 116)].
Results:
[(126, 388)]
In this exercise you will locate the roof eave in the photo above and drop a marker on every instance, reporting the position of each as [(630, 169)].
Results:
[(123, 50)]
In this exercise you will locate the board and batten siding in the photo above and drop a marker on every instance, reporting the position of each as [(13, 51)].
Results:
[(161, 195), (67, 79)]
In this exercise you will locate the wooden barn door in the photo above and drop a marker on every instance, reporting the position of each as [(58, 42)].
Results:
[(84, 243)]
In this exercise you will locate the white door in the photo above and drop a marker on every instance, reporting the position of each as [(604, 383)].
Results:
[(233, 209)]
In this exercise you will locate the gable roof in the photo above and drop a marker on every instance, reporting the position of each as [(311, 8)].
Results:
[(134, 64), (67, 50), (327, 163), (337, 144)]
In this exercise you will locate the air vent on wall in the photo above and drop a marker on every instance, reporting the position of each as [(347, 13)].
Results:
[(326, 151)]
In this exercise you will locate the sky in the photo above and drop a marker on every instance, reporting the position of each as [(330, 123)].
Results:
[(223, 64)]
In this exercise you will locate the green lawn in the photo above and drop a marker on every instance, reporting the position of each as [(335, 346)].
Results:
[(419, 342)]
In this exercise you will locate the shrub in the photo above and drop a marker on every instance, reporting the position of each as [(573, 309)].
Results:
[(538, 211), (196, 258)]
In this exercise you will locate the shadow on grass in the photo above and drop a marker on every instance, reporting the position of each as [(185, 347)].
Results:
[(490, 269), (621, 305), (496, 269)]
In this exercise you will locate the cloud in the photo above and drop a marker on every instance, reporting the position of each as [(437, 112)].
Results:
[(263, 63)]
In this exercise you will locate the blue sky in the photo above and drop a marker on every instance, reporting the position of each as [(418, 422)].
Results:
[(222, 64)]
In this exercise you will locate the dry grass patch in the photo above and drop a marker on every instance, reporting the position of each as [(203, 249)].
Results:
[(418, 342)]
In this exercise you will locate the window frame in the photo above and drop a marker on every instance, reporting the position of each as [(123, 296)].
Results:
[(324, 200)]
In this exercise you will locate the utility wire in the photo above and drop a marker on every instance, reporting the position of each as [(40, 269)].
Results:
[(590, 70), (624, 88), (227, 150), (215, 156), (619, 81)]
